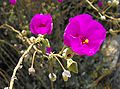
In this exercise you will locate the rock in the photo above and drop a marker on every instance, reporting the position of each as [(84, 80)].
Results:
[(112, 51)]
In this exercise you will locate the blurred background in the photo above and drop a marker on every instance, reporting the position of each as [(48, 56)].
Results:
[(101, 71)]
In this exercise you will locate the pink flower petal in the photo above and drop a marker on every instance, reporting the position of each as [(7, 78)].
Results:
[(12, 2), (41, 24), (84, 35)]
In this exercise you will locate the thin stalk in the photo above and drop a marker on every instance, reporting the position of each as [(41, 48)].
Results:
[(18, 66)]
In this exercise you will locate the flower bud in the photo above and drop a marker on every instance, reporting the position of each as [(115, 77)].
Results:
[(40, 35), (48, 50), (115, 2), (100, 3), (4, 3), (68, 53), (52, 77), (72, 65), (103, 18), (6, 88), (66, 74), (22, 51), (31, 71), (109, 2), (110, 29), (24, 32), (65, 78), (32, 39)]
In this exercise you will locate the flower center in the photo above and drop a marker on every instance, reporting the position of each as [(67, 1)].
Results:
[(42, 25), (85, 41)]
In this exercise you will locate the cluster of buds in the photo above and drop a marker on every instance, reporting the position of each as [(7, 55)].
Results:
[(66, 74)]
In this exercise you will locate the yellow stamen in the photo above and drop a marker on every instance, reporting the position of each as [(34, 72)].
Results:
[(85, 41)]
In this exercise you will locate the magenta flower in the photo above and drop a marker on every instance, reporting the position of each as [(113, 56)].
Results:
[(48, 50), (41, 24), (100, 3), (84, 35), (60, 0), (12, 2)]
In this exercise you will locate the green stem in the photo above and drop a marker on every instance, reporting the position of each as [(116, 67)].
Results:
[(62, 49), (107, 9), (52, 85), (33, 59), (59, 63)]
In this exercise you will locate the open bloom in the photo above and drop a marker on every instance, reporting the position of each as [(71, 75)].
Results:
[(41, 24), (60, 0), (12, 2), (84, 35), (100, 3)]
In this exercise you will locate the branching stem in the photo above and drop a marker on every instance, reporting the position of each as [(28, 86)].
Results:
[(110, 17), (18, 66), (59, 63), (33, 59)]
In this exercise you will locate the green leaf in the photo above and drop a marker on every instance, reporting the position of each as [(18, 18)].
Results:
[(72, 65), (46, 42)]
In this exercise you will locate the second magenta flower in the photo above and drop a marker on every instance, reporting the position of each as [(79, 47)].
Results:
[(41, 24), (84, 35)]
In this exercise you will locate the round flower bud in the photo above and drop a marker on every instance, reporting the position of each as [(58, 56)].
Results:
[(110, 29), (22, 51), (6, 88), (24, 32), (65, 78), (109, 2), (103, 18), (32, 39), (40, 35), (100, 3), (48, 50), (31, 71), (4, 3), (65, 75), (52, 77), (115, 2)]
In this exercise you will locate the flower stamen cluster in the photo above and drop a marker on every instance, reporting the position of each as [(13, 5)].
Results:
[(85, 41)]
